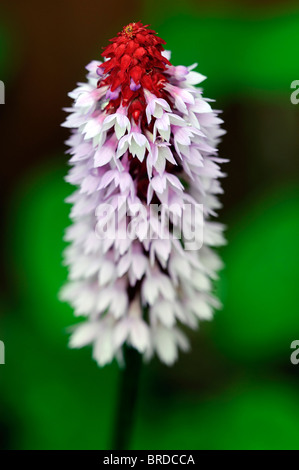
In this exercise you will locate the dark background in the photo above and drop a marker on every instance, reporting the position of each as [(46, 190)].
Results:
[(237, 388)]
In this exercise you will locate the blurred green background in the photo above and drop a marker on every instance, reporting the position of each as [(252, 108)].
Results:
[(237, 389)]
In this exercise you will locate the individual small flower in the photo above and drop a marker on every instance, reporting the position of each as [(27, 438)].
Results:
[(135, 142), (119, 120), (143, 156)]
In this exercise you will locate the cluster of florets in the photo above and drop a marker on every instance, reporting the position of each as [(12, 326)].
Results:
[(142, 135)]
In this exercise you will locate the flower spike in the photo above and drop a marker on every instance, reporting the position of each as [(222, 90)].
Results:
[(144, 161)]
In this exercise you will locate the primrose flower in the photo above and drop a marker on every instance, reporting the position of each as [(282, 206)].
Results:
[(145, 165)]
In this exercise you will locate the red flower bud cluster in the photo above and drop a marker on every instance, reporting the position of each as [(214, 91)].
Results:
[(134, 62)]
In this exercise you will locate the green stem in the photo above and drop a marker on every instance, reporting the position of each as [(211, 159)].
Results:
[(127, 400)]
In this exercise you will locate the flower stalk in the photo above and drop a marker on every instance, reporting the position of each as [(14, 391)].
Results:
[(127, 399)]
